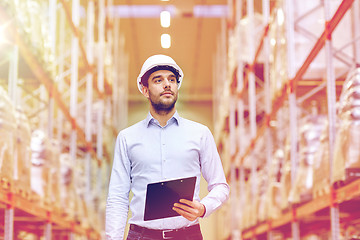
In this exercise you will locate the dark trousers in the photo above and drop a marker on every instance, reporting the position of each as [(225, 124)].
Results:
[(140, 233)]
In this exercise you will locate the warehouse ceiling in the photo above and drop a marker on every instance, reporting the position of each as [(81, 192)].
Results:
[(193, 40)]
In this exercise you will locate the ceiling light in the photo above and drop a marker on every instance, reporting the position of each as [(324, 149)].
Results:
[(165, 19), (165, 40)]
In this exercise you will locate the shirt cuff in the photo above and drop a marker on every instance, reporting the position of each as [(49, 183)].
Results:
[(202, 216), (207, 206)]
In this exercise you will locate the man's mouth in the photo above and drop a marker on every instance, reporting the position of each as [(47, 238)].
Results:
[(166, 93)]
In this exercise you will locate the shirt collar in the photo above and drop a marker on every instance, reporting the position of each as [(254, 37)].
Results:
[(149, 119)]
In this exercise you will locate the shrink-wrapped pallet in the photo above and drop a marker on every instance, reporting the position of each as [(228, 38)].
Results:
[(250, 216), (278, 52), (101, 207), (280, 174), (247, 211), (256, 161), (22, 154), (24, 235), (40, 163), (67, 192), (346, 164), (285, 180), (260, 200), (7, 139), (321, 166), (45, 166), (310, 131), (93, 219), (32, 16), (351, 231), (54, 174), (80, 187), (321, 235), (273, 194)]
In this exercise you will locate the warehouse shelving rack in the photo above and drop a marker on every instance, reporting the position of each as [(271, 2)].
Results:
[(65, 87), (311, 214), (241, 84), (35, 218)]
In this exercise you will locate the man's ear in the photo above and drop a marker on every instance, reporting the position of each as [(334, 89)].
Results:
[(145, 91)]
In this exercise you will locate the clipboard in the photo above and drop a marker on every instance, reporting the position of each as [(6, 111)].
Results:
[(161, 196)]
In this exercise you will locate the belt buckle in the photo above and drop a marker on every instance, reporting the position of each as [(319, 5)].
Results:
[(164, 233)]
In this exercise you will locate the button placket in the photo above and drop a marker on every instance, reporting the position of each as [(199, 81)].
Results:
[(163, 150)]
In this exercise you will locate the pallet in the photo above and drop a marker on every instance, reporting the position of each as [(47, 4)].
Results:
[(321, 191), (6, 183), (351, 174), (23, 193), (34, 197)]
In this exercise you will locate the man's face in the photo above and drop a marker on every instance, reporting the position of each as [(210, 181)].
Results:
[(162, 90)]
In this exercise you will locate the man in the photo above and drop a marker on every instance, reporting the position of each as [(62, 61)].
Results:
[(163, 146)]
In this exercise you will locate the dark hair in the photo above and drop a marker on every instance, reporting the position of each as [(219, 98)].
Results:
[(145, 77)]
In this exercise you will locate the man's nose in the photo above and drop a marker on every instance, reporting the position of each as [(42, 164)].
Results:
[(166, 83)]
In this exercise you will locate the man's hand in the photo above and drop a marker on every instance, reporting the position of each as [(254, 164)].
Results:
[(190, 210)]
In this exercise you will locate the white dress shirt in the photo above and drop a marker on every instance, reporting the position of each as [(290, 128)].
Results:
[(147, 152)]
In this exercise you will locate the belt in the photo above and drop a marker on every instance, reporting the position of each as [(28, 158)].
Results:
[(165, 234)]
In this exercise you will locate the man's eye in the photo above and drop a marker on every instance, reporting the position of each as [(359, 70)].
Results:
[(158, 81), (172, 80)]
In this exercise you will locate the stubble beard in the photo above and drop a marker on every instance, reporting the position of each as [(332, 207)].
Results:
[(162, 107)]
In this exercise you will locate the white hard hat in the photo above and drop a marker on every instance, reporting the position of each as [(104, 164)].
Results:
[(158, 60)]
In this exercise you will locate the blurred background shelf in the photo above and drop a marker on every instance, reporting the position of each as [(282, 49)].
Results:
[(314, 215), (287, 119), (56, 102), (31, 215)]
